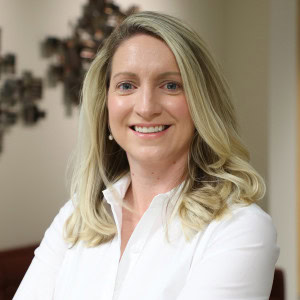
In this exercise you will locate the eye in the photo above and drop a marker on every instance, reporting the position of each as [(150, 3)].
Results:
[(172, 86), (125, 86)]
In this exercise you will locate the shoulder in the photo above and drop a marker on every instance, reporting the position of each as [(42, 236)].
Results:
[(63, 214), (250, 216), (39, 281), (67, 209), (245, 223), (54, 235), (235, 257), (247, 234)]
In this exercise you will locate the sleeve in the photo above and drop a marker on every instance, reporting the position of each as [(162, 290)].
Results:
[(39, 280), (239, 261)]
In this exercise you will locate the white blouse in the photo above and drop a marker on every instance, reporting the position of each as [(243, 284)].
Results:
[(233, 258)]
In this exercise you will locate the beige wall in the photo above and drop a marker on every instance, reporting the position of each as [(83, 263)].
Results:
[(32, 165), (282, 107), (246, 65)]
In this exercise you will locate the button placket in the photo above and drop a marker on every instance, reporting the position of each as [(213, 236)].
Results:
[(136, 244)]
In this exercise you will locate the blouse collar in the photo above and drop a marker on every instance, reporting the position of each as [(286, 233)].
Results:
[(115, 194)]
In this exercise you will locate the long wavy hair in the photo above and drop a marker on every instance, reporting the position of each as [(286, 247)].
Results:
[(218, 171)]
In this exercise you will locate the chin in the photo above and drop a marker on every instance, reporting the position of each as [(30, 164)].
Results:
[(150, 158)]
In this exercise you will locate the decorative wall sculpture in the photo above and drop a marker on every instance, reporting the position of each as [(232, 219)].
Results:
[(74, 54), (18, 95)]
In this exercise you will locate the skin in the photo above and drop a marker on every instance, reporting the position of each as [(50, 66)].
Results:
[(146, 89)]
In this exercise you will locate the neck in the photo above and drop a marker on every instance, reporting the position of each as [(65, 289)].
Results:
[(150, 179)]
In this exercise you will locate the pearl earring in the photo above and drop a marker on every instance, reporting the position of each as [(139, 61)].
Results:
[(110, 137)]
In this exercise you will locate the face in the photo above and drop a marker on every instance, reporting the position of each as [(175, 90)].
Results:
[(148, 113)]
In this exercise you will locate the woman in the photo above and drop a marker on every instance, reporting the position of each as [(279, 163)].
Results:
[(164, 199)]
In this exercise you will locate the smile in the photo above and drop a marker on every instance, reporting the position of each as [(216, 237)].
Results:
[(150, 129)]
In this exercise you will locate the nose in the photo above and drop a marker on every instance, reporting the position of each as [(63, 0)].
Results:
[(147, 103)]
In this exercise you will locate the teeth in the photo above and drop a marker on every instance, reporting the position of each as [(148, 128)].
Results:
[(150, 129)]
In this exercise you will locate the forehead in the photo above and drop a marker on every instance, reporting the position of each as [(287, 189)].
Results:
[(146, 52)]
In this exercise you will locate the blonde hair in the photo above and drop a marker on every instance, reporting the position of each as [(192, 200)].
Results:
[(218, 171)]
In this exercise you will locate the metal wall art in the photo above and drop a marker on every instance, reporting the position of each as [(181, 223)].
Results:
[(18, 95), (73, 55)]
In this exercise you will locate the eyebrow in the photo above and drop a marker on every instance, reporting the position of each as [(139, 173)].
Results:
[(162, 75)]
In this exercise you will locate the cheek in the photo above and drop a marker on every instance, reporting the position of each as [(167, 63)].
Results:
[(179, 109), (118, 109)]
